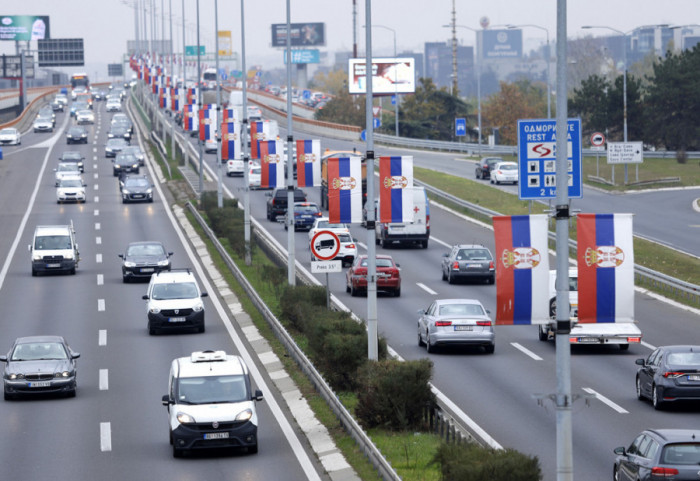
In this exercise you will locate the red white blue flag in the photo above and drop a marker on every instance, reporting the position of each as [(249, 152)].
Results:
[(272, 164), (191, 94), (522, 269), (605, 268), (190, 118), (230, 116), (175, 101), (395, 193), (207, 123), (344, 189), (260, 131), (230, 140), (308, 163)]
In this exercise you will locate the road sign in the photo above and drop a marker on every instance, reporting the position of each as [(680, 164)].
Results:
[(460, 127), (393, 100), (597, 139), (115, 70), (325, 267), (537, 158), (61, 52), (191, 50), (306, 94), (325, 245), (625, 152), (376, 123), (377, 111)]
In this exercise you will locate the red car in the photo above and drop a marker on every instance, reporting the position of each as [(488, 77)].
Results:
[(388, 276)]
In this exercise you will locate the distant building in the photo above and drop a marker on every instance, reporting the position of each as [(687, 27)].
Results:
[(438, 66)]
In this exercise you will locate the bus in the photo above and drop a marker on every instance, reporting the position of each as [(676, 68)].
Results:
[(79, 81)]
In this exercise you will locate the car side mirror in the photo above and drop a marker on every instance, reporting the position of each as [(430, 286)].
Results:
[(620, 450), (166, 400), (3, 358), (144, 297), (121, 256), (204, 294), (169, 254), (640, 362), (258, 395), (75, 355)]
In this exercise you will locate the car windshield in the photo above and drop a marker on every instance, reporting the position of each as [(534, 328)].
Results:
[(684, 359), (681, 453), (35, 351), (84, 112), (145, 250), (52, 242), (71, 183), (473, 255), (461, 310), (306, 209), (136, 183), (76, 131), (67, 168), (126, 158), (71, 156), (8, 132), (116, 142), (211, 389), (380, 262), (179, 290)]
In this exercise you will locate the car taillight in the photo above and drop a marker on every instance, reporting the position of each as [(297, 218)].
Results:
[(673, 374), (443, 323), (427, 221), (634, 339), (659, 472), (455, 265), (491, 265), (350, 246), (483, 323), (318, 214)]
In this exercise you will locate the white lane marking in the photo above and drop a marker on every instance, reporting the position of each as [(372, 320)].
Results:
[(363, 245), (94, 150), (526, 351), (426, 288), (605, 400), (94, 166), (98, 240), (104, 379), (97, 187), (98, 258), (105, 437), (648, 346), (97, 226), (100, 305), (97, 199), (100, 279), (97, 212), (435, 239), (95, 176), (102, 337), (94, 157)]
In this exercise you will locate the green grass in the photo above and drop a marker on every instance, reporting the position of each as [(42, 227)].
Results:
[(410, 453), (649, 170)]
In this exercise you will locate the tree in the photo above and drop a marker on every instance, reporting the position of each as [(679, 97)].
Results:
[(332, 82), (344, 109), (635, 110), (503, 110), (590, 103)]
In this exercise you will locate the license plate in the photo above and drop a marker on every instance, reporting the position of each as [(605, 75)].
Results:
[(588, 340), (473, 266), (693, 377), (464, 328), (176, 319), (138, 196), (147, 269), (53, 265), (382, 274), (215, 435), (40, 384)]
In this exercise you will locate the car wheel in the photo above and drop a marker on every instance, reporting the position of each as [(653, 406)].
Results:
[(444, 277), (490, 348), (477, 174), (71, 393), (491, 180), (347, 288), (151, 331), (428, 346), (8, 396), (638, 386), (382, 243), (424, 244), (353, 291), (553, 308), (125, 279), (450, 279), (202, 328), (656, 398), (177, 453), (72, 271), (397, 292), (624, 347), (253, 449), (543, 335), (491, 280), (498, 182), (420, 338), (34, 272)]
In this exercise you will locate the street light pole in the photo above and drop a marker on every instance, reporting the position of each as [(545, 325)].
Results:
[(396, 93), (549, 58)]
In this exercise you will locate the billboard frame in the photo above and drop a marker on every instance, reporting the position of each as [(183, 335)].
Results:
[(309, 34), (382, 84)]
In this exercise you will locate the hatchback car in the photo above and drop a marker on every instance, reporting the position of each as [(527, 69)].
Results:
[(135, 188), (322, 223), (505, 172), (669, 374), (74, 157), (70, 188), (10, 136), (85, 116), (388, 275), (254, 175), (143, 259), (114, 146), (484, 167), (77, 135), (40, 365), (468, 261), (305, 213), (659, 454), (462, 322), (174, 302)]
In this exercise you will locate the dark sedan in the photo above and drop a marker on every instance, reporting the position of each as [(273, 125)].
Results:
[(119, 131), (142, 259), (669, 374), (125, 163), (659, 454), (77, 135), (135, 188), (484, 167), (39, 365), (305, 213), (114, 146)]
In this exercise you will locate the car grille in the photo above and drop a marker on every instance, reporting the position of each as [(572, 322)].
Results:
[(43, 376), (179, 313), (53, 258), (207, 427)]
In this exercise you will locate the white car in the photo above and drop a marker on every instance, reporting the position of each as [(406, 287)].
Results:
[(322, 223), (65, 169), (235, 167), (62, 98), (113, 105), (10, 136), (85, 117), (43, 124), (70, 189), (254, 175), (504, 172), (174, 302)]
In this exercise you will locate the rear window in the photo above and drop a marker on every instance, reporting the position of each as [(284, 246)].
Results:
[(684, 359), (686, 453)]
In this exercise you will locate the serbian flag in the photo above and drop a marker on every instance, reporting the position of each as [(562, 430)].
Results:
[(259, 131), (344, 190), (207, 124), (522, 269), (162, 98), (191, 95), (230, 140), (605, 268), (308, 163), (271, 161), (175, 100), (189, 119), (229, 116), (395, 189)]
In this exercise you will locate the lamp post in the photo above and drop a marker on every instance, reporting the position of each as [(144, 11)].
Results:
[(396, 94), (549, 58)]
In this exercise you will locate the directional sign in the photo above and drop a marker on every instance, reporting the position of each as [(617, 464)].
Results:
[(537, 158), (625, 152), (325, 245), (191, 50), (376, 123), (460, 127)]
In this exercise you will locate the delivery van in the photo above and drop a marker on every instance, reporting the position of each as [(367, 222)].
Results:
[(416, 232), (54, 249)]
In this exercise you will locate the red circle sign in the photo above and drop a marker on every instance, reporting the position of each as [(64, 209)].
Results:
[(597, 139), (321, 242)]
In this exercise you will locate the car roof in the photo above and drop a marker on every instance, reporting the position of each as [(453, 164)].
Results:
[(378, 256), (210, 363), (677, 435), (680, 348), (143, 243), (52, 229), (27, 339), (71, 152), (182, 275), (470, 246), (459, 301)]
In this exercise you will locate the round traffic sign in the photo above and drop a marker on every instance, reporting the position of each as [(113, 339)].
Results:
[(597, 139), (325, 245)]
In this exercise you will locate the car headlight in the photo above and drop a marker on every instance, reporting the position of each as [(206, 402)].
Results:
[(184, 418), (198, 307), (83, 135), (37, 257), (133, 166), (129, 264), (69, 256), (245, 415), (149, 192), (110, 135), (63, 374), (163, 263), (13, 376), (154, 310), (118, 166)]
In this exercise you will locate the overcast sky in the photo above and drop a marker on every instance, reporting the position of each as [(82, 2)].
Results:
[(106, 25)]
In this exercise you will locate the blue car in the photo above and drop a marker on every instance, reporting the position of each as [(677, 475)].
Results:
[(305, 213)]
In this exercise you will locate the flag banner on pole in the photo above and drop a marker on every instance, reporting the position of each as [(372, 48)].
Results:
[(605, 268), (522, 269), (162, 99), (230, 140), (308, 163), (191, 94), (344, 190), (146, 75), (259, 131), (175, 100), (190, 118), (271, 163), (207, 124), (230, 116), (395, 193)]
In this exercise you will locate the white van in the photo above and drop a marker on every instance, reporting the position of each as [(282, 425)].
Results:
[(54, 248), (417, 231)]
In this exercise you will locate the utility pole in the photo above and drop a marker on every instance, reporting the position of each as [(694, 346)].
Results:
[(455, 88)]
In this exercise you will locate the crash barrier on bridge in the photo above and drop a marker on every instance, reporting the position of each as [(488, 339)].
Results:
[(27, 115)]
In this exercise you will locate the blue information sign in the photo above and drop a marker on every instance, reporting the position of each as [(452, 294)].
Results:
[(376, 123), (460, 127), (537, 158)]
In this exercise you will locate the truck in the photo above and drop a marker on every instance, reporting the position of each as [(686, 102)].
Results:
[(324, 173), (622, 334)]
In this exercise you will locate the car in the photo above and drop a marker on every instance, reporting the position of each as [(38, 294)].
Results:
[(254, 113), (114, 146), (174, 302), (113, 105), (141, 260), (235, 167), (254, 175), (76, 135), (85, 116), (322, 223), (99, 94), (211, 403), (136, 151), (504, 172), (305, 213), (47, 112), (57, 106), (124, 163), (10, 136), (484, 167), (457, 322), (119, 131), (135, 188), (40, 365), (62, 99), (125, 124), (65, 169), (78, 105), (43, 124), (468, 261), (277, 202), (672, 454), (71, 188), (74, 157), (388, 275), (119, 117), (668, 375)]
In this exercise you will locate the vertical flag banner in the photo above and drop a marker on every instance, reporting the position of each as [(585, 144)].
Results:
[(189, 119), (207, 124), (175, 100), (344, 189), (191, 94), (260, 131), (605, 268), (308, 163), (230, 116), (522, 269), (271, 163), (395, 193), (230, 140)]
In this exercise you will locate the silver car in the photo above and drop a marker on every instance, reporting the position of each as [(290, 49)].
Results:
[(461, 322), (468, 261)]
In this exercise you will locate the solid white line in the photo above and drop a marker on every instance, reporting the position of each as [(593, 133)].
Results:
[(100, 279), (100, 305), (647, 345), (104, 379), (605, 400), (97, 226), (102, 337), (105, 437), (426, 288), (97, 212), (435, 239), (98, 240), (98, 258), (526, 351)]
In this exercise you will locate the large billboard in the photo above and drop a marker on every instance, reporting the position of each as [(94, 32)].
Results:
[(24, 27), (303, 34), (502, 43), (61, 52), (225, 43), (305, 55), (389, 75)]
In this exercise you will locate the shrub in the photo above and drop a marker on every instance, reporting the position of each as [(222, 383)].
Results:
[(300, 303), (471, 462), (681, 156), (394, 394)]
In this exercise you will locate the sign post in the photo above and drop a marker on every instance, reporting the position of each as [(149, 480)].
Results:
[(624, 153), (325, 245), (597, 144)]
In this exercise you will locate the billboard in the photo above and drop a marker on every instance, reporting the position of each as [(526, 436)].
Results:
[(24, 27), (303, 34), (225, 43), (389, 75), (61, 52), (502, 43), (307, 55)]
